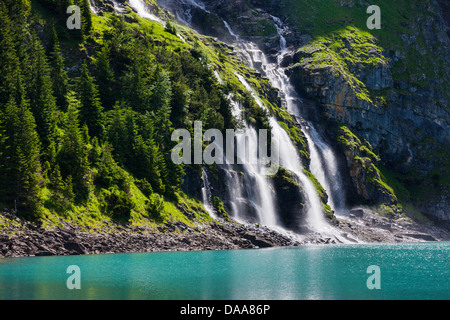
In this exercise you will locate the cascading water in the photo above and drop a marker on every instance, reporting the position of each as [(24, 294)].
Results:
[(207, 196), (323, 162), (182, 9), (289, 159), (251, 187), (92, 7), (118, 7), (259, 193), (141, 9), (248, 190), (325, 168)]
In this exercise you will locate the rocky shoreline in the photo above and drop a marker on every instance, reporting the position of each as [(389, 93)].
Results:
[(24, 239), (370, 227)]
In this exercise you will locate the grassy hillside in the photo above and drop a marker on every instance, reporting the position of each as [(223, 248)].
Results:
[(98, 154), (114, 92)]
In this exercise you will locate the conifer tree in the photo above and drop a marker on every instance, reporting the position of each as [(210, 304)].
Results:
[(86, 18), (40, 93), (19, 11), (117, 135), (87, 15), (91, 108), (148, 150), (62, 191), (179, 104), (135, 87), (73, 156), (59, 77), (160, 99), (3, 146), (105, 78), (22, 161), (9, 66)]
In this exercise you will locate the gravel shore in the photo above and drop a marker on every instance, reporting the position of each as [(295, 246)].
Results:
[(20, 238)]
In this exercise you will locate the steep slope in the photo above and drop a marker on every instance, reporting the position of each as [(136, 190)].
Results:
[(86, 118), (389, 87)]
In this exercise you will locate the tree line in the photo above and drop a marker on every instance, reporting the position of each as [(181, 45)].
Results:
[(67, 136)]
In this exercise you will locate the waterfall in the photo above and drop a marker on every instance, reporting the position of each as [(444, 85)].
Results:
[(323, 160), (259, 195), (290, 160), (256, 186), (118, 7), (249, 189), (324, 164), (93, 8), (230, 31), (182, 9), (289, 157), (258, 189), (280, 30), (141, 8), (207, 196)]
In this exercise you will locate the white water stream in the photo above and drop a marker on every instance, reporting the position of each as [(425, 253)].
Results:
[(253, 188), (141, 9)]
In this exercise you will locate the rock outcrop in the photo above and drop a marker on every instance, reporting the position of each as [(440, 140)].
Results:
[(393, 94)]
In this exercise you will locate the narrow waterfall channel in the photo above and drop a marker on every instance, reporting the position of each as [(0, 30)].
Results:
[(207, 196)]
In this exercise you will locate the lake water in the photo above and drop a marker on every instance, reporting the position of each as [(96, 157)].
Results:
[(407, 271)]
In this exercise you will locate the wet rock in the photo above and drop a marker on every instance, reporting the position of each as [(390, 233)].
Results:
[(359, 213), (425, 237), (74, 247), (259, 242)]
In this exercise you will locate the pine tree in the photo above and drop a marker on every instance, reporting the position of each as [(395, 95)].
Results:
[(59, 77), (21, 187), (3, 153), (19, 11), (62, 191), (117, 135), (91, 108), (105, 78), (149, 163), (179, 105), (135, 86), (9, 66), (40, 93), (152, 164), (73, 155), (86, 18), (160, 99)]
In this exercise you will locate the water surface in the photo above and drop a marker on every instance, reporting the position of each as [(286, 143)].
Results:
[(408, 271)]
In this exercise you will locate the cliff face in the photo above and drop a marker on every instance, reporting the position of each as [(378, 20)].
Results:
[(384, 94), (389, 87)]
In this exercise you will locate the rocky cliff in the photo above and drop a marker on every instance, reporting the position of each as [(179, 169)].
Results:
[(388, 87), (392, 93)]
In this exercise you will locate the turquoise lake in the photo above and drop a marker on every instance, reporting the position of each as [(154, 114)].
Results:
[(407, 271)]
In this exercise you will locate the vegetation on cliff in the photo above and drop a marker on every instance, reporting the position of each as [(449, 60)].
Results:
[(86, 115)]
